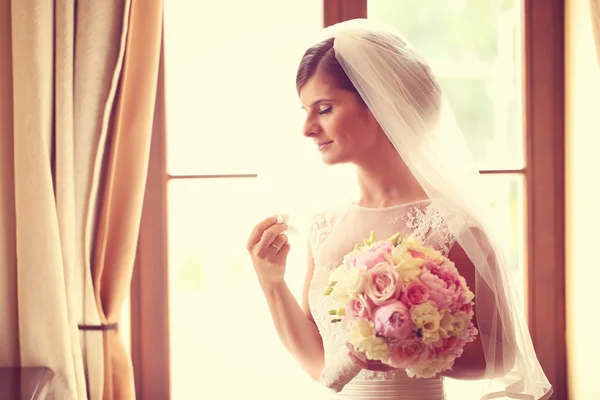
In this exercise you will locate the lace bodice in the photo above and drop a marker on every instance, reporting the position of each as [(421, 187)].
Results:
[(333, 234)]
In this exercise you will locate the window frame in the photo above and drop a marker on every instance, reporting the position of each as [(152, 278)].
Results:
[(544, 131)]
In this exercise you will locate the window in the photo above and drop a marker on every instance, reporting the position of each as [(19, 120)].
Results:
[(474, 48), (494, 60), (230, 84)]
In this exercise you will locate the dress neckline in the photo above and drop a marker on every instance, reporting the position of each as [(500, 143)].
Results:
[(389, 208)]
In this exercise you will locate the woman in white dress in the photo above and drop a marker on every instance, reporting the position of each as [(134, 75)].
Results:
[(373, 102)]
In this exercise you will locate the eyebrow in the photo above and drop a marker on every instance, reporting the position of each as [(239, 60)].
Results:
[(314, 103)]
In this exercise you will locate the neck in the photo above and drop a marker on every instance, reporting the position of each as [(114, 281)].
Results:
[(387, 181)]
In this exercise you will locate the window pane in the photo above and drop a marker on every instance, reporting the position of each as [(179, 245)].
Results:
[(230, 78), (223, 342), (509, 207), (474, 47)]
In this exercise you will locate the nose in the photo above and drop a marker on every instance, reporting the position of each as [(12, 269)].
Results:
[(311, 128)]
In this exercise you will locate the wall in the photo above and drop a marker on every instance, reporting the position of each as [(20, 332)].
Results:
[(582, 198)]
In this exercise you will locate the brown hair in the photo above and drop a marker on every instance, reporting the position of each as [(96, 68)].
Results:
[(422, 89), (321, 57)]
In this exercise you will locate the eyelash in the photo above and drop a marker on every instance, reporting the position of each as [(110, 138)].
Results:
[(325, 111)]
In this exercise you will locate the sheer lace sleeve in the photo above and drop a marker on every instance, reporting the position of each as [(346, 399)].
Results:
[(320, 228), (434, 229)]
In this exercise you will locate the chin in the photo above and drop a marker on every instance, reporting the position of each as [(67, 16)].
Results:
[(331, 160)]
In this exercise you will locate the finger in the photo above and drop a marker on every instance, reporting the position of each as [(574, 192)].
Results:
[(275, 249), (258, 230), (285, 249), (359, 354), (268, 238), (357, 361), (279, 241), (378, 367)]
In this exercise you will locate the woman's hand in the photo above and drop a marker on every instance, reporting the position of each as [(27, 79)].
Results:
[(268, 247), (361, 360)]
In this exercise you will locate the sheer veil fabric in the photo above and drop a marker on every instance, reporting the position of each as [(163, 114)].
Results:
[(400, 89)]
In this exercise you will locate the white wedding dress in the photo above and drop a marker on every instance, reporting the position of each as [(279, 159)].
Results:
[(332, 236)]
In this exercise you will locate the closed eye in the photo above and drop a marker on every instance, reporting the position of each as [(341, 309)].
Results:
[(326, 110)]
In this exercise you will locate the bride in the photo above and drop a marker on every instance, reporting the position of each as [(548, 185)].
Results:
[(371, 101)]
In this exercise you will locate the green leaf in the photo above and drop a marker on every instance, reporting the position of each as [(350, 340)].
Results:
[(395, 239)]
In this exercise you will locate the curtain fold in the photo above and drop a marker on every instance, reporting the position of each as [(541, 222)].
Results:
[(9, 336), (78, 86), (124, 186)]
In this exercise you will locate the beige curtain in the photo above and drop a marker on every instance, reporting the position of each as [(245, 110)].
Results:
[(595, 13), (72, 167), (124, 186)]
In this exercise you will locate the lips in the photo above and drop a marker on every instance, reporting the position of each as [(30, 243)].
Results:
[(324, 145)]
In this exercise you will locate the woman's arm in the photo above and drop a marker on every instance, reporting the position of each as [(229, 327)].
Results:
[(295, 324), (472, 364)]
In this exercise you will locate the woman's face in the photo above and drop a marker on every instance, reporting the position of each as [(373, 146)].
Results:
[(342, 126)]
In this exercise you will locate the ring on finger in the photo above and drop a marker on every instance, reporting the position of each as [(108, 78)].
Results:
[(278, 243)]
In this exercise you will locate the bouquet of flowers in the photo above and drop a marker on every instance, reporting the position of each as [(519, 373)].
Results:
[(404, 304)]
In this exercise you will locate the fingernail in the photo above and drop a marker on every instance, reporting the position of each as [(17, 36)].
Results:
[(279, 219)]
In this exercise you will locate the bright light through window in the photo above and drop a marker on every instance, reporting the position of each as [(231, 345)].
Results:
[(232, 109)]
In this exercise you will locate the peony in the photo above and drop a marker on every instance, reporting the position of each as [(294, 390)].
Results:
[(375, 254), (358, 306), (361, 335), (454, 283), (382, 284), (438, 293), (393, 321), (407, 353), (415, 293)]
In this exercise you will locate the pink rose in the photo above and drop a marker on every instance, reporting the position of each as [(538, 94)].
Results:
[(443, 268), (415, 293), (358, 307), (382, 284), (437, 290), (393, 321), (408, 353)]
